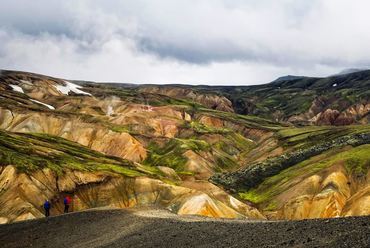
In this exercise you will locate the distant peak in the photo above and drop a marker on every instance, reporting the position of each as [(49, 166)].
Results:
[(288, 78)]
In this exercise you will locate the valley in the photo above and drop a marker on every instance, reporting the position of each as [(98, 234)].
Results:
[(289, 150)]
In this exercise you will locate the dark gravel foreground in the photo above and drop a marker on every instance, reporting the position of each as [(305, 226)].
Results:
[(158, 228)]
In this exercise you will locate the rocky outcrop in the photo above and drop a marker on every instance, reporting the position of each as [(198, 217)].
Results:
[(354, 114), (322, 113), (211, 121), (327, 117), (319, 115)]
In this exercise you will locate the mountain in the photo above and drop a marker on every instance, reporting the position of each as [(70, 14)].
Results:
[(288, 78), (337, 100), (290, 149), (349, 71)]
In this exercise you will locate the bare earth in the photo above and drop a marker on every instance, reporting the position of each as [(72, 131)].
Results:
[(160, 228)]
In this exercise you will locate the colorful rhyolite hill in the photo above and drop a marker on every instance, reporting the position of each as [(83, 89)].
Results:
[(296, 148)]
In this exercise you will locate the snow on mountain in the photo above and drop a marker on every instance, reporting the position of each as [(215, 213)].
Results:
[(71, 87)]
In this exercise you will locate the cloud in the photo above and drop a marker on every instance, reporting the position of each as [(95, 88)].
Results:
[(184, 41)]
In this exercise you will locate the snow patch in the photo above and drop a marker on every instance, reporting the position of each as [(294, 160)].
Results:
[(335, 85), (47, 105), (71, 87), (16, 88)]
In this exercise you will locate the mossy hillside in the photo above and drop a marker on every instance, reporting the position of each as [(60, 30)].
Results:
[(225, 154), (356, 161), (245, 120), (293, 131), (242, 143), (133, 129), (265, 100), (290, 103), (307, 136), (107, 90), (13, 100), (162, 100), (279, 99), (225, 162), (287, 99), (256, 173), (31, 152), (171, 154), (201, 128), (295, 96), (235, 146), (120, 128), (358, 165)]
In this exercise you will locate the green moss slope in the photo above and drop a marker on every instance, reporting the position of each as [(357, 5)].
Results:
[(30, 152), (356, 161)]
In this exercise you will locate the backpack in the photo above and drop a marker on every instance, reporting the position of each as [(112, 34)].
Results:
[(67, 200)]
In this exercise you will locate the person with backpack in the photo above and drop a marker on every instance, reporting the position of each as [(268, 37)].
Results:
[(67, 202), (47, 207)]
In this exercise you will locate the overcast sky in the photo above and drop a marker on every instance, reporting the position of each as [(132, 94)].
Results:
[(229, 42)]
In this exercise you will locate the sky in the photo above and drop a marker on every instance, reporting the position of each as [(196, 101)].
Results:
[(214, 42)]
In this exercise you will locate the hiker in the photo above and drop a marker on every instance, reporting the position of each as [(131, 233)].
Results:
[(47, 207), (66, 201)]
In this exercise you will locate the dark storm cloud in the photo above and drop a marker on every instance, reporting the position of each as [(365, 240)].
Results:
[(35, 17), (225, 51)]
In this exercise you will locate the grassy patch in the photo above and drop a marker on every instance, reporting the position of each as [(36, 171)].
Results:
[(130, 172), (30, 152), (193, 144), (226, 162), (120, 129), (310, 135), (186, 173), (253, 176), (171, 154), (356, 160), (245, 120), (204, 129)]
